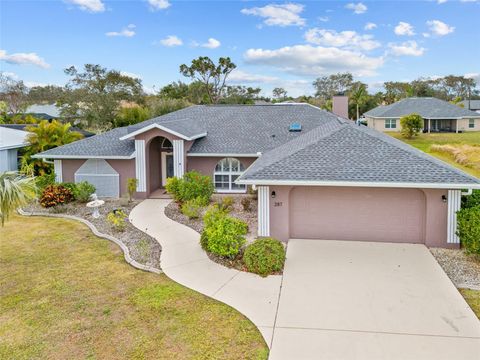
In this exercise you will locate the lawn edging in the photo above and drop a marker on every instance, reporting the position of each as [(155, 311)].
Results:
[(126, 252)]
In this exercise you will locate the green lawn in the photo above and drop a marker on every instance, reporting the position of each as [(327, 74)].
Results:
[(66, 294), (425, 141), (473, 299)]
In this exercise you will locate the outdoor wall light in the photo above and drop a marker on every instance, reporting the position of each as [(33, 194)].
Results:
[(273, 194), (444, 198)]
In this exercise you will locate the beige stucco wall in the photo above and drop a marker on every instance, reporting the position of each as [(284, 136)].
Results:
[(435, 217), (463, 125), (206, 165), (125, 169), (379, 124)]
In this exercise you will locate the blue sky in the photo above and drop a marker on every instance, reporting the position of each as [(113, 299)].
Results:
[(285, 44)]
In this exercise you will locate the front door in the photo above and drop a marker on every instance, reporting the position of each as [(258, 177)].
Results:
[(167, 167)]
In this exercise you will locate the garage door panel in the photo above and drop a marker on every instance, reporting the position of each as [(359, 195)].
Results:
[(357, 214)]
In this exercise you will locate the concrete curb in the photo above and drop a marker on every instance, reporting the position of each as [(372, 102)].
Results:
[(126, 252)]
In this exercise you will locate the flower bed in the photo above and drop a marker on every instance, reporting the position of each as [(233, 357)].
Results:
[(142, 247)]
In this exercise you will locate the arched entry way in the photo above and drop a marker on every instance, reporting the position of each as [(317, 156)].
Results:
[(160, 163)]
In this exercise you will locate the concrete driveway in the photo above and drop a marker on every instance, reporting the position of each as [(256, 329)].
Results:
[(359, 300)]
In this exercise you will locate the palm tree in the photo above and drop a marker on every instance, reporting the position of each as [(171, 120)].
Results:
[(358, 95), (15, 191), (45, 136)]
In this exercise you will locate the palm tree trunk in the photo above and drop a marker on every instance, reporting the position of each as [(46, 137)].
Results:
[(357, 112)]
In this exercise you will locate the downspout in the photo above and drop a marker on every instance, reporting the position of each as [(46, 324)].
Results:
[(467, 193)]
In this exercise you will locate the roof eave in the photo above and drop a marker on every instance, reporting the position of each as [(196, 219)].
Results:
[(458, 186), (132, 135), (83, 157)]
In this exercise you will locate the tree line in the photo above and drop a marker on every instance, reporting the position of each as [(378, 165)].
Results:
[(99, 99)]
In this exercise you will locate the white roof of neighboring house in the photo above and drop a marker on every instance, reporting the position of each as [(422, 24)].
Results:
[(12, 139), (49, 109)]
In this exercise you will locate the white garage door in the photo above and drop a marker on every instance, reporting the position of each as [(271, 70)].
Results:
[(102, 175), (366, 214)]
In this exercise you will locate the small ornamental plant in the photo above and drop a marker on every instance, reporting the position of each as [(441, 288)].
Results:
[(411, 125), (118, 219), (246, 203), (83, 190), (191, 208), (131, 187), (54, 195), (264, 256)]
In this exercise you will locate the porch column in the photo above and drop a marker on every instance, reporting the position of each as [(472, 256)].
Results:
[(456, 126), (140, 166), (429, 125), (453, 203), (57, 168), (263, 210), (178, 158)]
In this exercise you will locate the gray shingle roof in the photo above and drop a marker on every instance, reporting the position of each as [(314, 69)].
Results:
[(471, 104), (106, 144), (345, 152), (428, 108)]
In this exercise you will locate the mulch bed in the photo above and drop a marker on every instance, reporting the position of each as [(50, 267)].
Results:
[(143, 248), (462, 269), (173, 212)]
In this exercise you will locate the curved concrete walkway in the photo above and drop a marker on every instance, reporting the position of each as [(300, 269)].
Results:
[(184, 261)]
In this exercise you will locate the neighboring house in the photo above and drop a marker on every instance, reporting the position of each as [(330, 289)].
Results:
[(10, 141), (438, 115), (318, 176), (46, 112), (473, 105)]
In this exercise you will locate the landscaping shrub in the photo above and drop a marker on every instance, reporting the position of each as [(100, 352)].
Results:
[(173, 187), (43, 181), (411, 125), (83, 191), (118, 219), (54, 195), (253, 192), (70, 186), (191, 208), (223, 235), (246, 203), (468, 229), (226, 203), (131, 187), (264, 256), (470, 201), (193, 185)]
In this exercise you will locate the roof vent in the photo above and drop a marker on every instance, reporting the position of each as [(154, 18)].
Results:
[(295, 127)]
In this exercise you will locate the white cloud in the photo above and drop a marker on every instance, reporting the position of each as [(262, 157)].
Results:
[(407, 48), (315, 60), (239, 76), (125, 32), (89, 5), (9, 74), (23, 59), (129, 74), (439, 28), (358, 8), (211, 44), (159, 4), (370, 26), (404, 28), (324, 18), (171, 40), (345, 39), (278, 14), (441, 1), (474, 76)]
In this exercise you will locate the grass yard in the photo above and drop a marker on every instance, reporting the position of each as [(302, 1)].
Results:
[(471, 153), (66, 294), (473, 299)]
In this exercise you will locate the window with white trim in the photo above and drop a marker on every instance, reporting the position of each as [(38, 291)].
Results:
[(390, 123), (226, 172), (471, 123)]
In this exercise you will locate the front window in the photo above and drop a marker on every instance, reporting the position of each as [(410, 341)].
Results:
[(471, 123), (226, 172), (390, 124)]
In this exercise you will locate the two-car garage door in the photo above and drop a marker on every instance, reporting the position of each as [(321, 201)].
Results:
[(369, 214)]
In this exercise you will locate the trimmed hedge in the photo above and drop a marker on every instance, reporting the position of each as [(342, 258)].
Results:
[(264, 256), (193, 185), (468, 229)]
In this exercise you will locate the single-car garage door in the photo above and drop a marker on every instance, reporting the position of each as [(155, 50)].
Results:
[(368, 214)]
